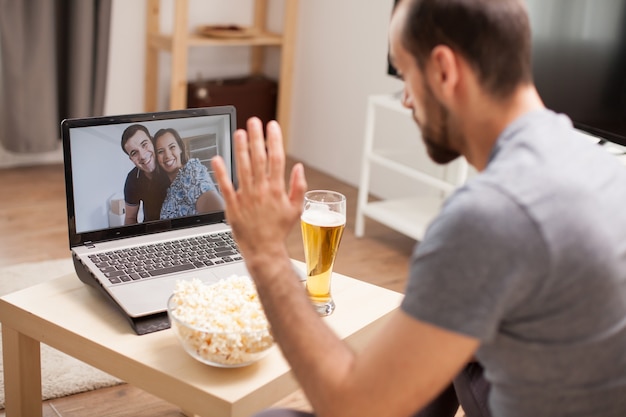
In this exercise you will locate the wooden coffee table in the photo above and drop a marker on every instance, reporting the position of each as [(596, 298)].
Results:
[(68, 315)]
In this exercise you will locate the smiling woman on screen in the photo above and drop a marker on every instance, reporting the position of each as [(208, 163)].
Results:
[(191, 189)]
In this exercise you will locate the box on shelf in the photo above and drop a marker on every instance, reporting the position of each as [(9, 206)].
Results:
[(251, 96)]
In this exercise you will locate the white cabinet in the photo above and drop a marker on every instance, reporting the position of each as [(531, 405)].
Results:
[(408, 215)]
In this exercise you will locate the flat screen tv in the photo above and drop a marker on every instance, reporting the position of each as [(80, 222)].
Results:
[(579, 62)]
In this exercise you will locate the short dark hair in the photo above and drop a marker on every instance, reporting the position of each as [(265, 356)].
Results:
[(493, 36), (184, 157), (130, 131)]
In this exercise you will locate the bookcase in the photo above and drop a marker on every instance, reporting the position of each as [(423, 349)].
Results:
[(181, 39)]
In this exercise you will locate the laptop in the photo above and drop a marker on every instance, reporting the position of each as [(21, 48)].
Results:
[(136, 266)]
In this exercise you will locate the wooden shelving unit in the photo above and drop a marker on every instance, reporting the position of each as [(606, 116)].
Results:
[(179, 42)]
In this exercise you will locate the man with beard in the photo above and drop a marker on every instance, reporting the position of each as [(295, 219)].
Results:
[(144, 183), (524, 268)]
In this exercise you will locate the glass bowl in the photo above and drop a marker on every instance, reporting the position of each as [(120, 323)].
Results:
[(225, 349)]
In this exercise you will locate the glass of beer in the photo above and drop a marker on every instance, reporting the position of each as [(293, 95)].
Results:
[(323, 220)]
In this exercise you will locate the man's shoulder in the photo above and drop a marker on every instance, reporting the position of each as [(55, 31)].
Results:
[(133, 174), (481, 201), (132, 178)]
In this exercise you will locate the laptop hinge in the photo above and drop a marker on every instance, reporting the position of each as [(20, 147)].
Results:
[(89, 245)]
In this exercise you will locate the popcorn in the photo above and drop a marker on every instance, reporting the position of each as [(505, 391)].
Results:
[(221, 324)]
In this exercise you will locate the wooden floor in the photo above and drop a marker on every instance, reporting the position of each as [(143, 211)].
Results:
[(33, 227)]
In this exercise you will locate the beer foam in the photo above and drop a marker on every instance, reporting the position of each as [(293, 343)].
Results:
[(320, 215)]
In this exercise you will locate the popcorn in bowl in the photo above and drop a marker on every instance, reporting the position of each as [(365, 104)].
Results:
[(221, 324)]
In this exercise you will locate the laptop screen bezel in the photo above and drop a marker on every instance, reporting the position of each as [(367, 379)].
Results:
[(144, 228)]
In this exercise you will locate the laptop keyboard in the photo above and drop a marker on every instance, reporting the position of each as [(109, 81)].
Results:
[(157, 259)]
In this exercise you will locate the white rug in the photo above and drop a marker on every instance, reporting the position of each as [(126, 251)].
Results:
[(61, 375)]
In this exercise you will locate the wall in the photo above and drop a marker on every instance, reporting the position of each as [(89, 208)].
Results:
[(341, 60)]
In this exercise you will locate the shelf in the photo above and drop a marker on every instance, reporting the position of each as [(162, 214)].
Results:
[(261, 39), (165, 42), (400, 161), (409, 216)]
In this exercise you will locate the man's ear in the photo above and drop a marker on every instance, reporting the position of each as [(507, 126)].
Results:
[(443, 72)]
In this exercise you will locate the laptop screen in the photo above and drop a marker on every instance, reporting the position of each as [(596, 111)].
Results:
[(136, 174)]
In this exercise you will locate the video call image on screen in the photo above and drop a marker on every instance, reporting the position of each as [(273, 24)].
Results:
[(101, 169)]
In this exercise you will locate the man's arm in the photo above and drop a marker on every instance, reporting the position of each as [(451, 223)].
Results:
[(403, 367)]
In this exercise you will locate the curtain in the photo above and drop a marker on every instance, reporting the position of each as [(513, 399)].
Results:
[(53, 58)]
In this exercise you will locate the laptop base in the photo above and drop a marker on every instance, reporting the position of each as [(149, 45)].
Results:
[(141, 325)]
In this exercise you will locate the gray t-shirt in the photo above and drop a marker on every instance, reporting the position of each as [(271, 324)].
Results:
[(530, 258)]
